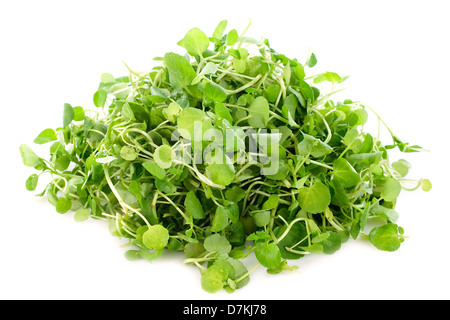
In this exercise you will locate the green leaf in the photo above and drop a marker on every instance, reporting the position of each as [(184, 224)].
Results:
[(235, 194), (214, 92), (29, 158), (62, 163), (289, 109), (271, 203), (272, 92), (345, 174), (401, 166), (315, 199), (68, 115), (128, 153), (82, 215), (63, 205), (156, 237), (127, 112), (426, 185), (120, 90), (193, 123), (268, 255), (220, 219), (193, 206), (154, 169), (220, 29), (222, 112), (195, 42), (45, 136), (78, 114), (172, 111), (296, 236), (100, 98), (107, 78), (328, 76), (217, 243), (332, 243), (312, 60), (313, 146), (165, 186), (32, 182), (262, 218), (233, 211), (391, 189), (163, 156), (180, 70), (150, 256), (232, 37), (259, 112), (387, 237), (220, 173), (132, 255), (353, 141), (213, 280)]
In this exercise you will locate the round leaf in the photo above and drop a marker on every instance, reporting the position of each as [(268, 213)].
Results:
[(268, 254), (217, 243), (163, 156), (391, 189), (82, 215), (314, 199), (156, 237), (386, 237)]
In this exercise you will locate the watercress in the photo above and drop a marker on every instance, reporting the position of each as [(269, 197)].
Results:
[(227, 150)]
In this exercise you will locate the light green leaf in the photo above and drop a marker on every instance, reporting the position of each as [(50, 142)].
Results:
[(195, 42), (193, 123), (328, 76), (259, 111), (180, 70), (29, 158), (220, 29), (68, 115), (215, 92), (78, 114), (107, 78), (222, 112), (426, 185), (63, 205), (100, 98), (401, 166), (387, 237), (232, 37), (32, 182), (82, 215), (220, 173), (156, 237), (193, 206), (391, 189), (45, 136), (154, 169), (262, 218), (345, 174), (163, 156), (313, 146), (217, 243), (314, 199), (128, 153), (220, 219), (268, 255)]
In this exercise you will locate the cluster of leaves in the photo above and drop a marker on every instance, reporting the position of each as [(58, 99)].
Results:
[(116, 162)]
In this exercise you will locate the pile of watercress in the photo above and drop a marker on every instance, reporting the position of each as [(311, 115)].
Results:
[(277, 168)]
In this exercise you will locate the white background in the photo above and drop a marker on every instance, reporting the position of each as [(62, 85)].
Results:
[(52, 52)]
